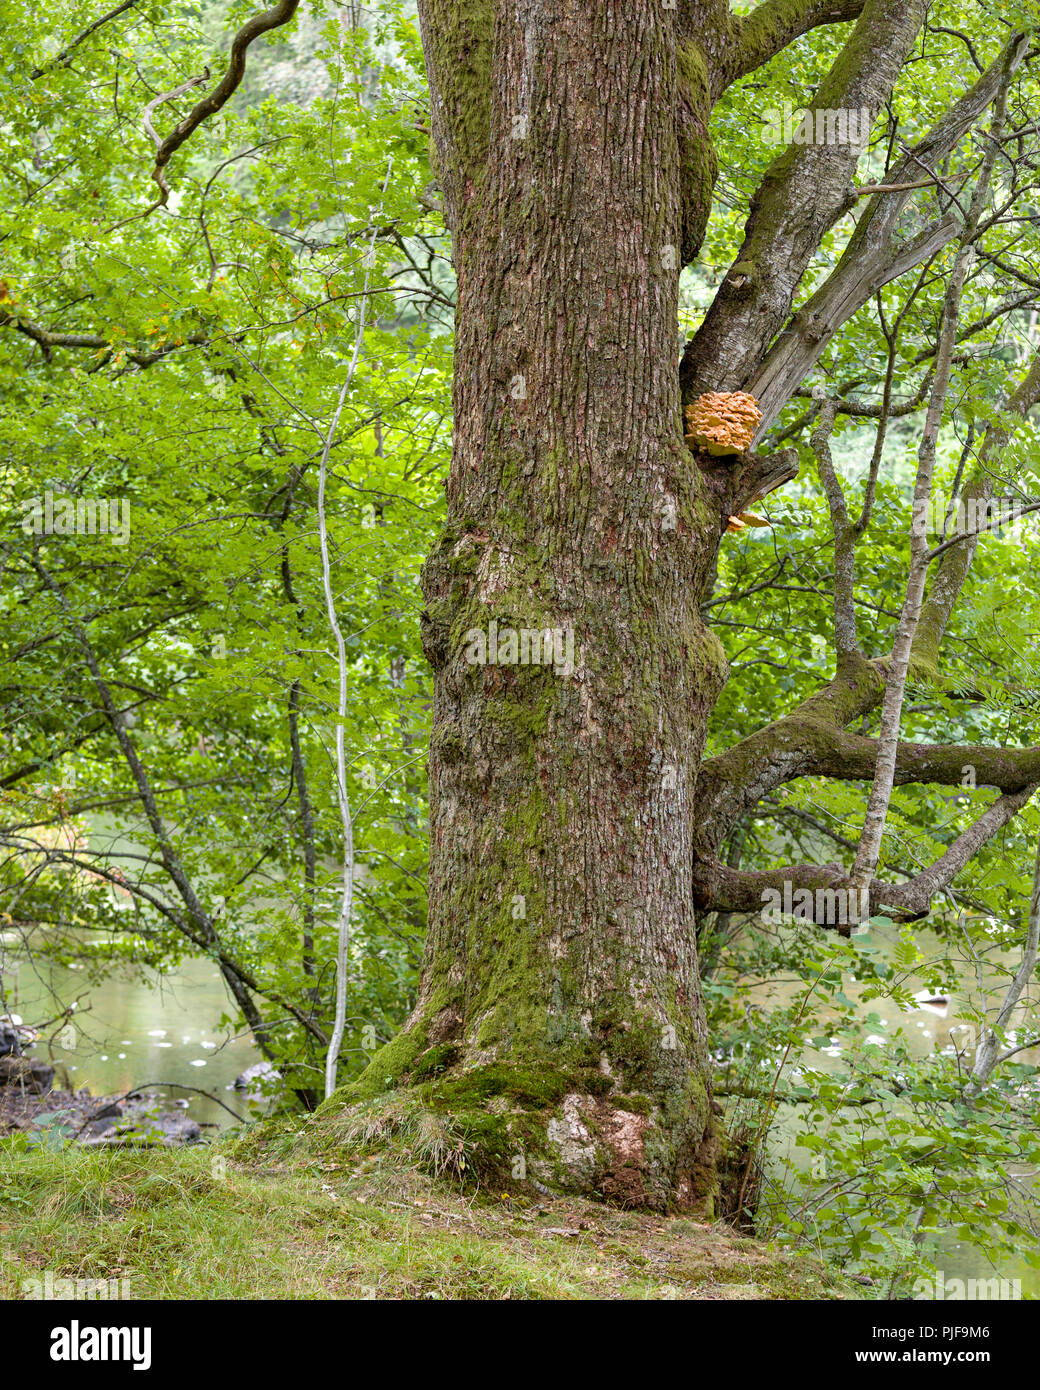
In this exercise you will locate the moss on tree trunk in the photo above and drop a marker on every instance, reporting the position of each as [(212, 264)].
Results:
[(560, 1020)]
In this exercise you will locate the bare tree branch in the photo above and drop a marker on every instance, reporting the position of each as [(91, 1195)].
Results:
[(723, 889), (279, 14), (803, 193)]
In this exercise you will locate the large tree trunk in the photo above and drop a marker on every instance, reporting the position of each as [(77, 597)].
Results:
[(560, 988), (559, 1027)]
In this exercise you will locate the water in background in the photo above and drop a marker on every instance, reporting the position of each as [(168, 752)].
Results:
[(927, 1030), (134, 1031)]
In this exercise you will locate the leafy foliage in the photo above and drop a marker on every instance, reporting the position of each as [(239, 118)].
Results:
[(195, 359)]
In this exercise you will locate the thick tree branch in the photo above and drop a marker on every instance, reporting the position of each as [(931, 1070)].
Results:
[(804, 192), (810, 742), (279, 14), (768, 30), (853, 758), (723, 889), (872, 258)]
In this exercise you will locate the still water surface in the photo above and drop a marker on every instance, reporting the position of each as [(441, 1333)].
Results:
[(132, 1031)]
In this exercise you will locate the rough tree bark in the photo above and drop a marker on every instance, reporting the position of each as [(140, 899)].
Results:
[(561, 970), (559, 1025)]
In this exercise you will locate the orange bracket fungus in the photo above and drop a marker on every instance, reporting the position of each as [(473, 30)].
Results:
[(722, 423)]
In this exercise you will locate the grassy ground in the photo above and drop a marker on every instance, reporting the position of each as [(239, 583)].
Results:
[(276, 1216)]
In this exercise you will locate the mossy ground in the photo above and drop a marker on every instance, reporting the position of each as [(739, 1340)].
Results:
[(288, 1210)]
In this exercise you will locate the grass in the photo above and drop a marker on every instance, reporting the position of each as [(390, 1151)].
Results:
[(273, 1214)]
